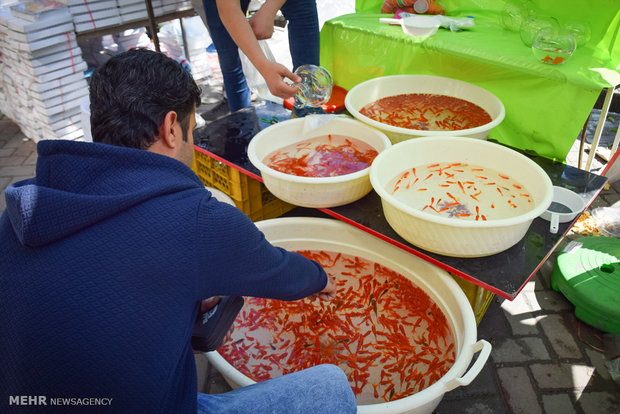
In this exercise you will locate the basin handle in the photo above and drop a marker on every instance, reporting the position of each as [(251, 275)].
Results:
[(485, 350)]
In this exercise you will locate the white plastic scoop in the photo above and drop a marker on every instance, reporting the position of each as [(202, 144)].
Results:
[(566, 205), (418, 26)]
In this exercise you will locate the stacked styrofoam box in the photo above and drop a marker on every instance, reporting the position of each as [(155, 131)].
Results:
[(5, 104), (93, 14), (131, 10), (42, 76), (184, 5), (4, 15), (161, 7)]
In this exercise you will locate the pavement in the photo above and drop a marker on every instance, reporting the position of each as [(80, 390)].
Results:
[(544, 360)]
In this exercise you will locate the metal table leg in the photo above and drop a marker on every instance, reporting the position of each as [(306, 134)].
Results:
[(614, 147), (583, 140), (599, 127)]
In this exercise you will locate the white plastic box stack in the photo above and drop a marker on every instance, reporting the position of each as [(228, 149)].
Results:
[(161, 7), (131, 10), (42, 73), (93, 14)]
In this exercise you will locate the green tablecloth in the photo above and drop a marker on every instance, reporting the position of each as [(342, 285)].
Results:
[(546, 105)]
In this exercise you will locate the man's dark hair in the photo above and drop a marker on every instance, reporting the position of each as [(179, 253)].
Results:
[(131, 94)]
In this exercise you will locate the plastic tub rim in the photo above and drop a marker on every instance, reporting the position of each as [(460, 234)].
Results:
[(465, 349), (492, 223), (482, 129), (264, 169)]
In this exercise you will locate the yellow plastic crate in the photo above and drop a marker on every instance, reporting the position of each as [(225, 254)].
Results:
[(479, 298), (250, 195)]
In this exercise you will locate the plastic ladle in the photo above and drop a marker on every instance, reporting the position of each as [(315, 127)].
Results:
[(418, 26), (565, 206)]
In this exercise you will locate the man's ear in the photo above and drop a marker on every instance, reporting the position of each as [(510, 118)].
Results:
[(169, 130)]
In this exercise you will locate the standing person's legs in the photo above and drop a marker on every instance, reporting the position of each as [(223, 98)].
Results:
[(323, 389), (303, 31), (235, 85)]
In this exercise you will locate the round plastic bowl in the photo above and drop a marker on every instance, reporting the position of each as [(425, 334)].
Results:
[(315, 192), (297, 233), (449, 236), (420, 26), (371, 90)]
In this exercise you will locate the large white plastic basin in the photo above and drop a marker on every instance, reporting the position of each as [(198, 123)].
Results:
[(373, 89), (316, 192), (297, 233), (449, 236)]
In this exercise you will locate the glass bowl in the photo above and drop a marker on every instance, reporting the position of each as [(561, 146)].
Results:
[(534, 24), (315, 87), (512, 17), (553, 46), (580, 31)]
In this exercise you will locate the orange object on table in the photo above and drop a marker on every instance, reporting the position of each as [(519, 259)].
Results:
[(335, 103), (412, 6)]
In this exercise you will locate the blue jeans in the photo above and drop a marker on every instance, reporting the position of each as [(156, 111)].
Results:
[(323, 389), (303, 37)]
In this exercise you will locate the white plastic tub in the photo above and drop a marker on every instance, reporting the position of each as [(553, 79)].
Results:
[(450, 236), (373, 89), (298, 233), (315, 192)]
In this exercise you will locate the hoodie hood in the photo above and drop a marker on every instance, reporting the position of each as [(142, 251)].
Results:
[(78, 184)]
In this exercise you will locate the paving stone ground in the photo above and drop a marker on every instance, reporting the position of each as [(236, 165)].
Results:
[(544, 360)]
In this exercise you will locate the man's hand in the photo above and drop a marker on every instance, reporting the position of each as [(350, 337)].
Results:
[(208, 304), (329, 291)]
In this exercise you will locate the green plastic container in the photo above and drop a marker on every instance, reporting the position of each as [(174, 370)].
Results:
[(587, 273)]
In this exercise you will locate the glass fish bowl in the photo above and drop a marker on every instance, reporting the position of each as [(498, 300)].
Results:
[(315, 87), (534, 24), (553, 46), (581, 31), (513, 15)]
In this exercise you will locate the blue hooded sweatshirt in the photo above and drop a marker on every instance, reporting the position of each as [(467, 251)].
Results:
[(104, 258)]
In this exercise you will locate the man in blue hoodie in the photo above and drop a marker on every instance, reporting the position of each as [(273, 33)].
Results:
[(106, 255)]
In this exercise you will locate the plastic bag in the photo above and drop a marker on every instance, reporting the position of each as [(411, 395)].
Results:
[(455, 24), (276, 49), (254, 79), (315, 121)]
